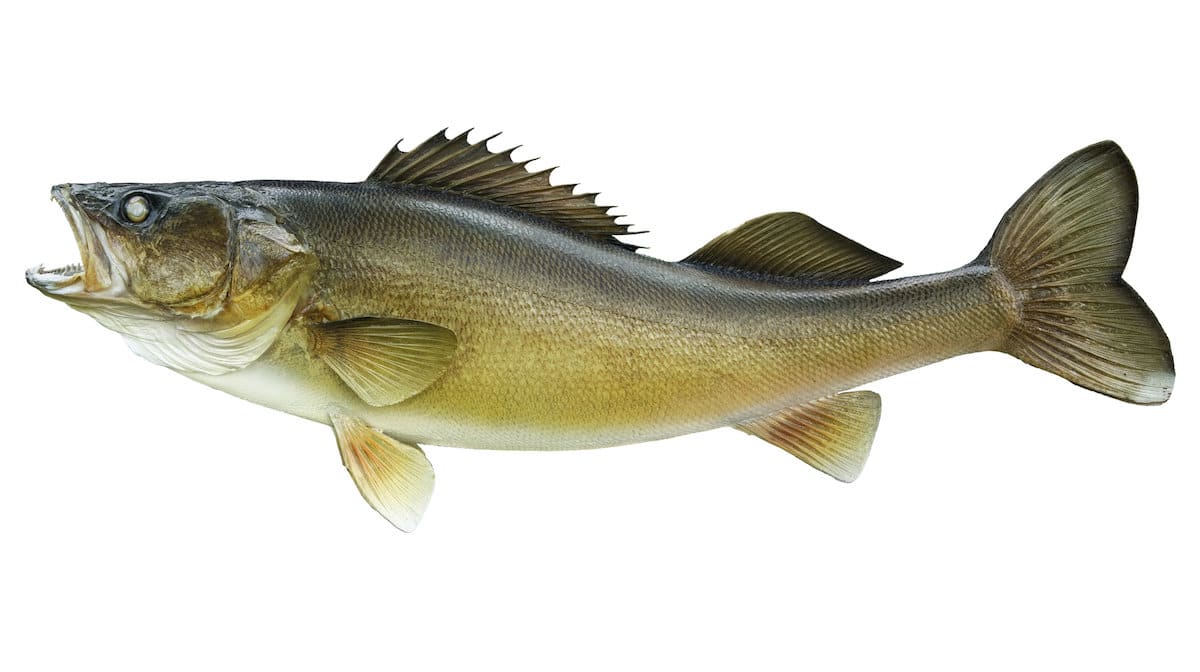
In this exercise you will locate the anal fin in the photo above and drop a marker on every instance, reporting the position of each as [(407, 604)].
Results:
[(833, 434), (394, 477)]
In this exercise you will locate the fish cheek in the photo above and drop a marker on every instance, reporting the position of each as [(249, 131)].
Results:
[(184, 256)]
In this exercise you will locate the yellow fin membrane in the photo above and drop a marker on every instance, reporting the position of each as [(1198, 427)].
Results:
[(385, 360), (395, 478), (833, 434)]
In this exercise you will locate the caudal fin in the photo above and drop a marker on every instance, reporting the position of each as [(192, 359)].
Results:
[(1062, 246)]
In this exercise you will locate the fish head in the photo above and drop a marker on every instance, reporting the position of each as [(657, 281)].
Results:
[(161, 263), (160, 246)]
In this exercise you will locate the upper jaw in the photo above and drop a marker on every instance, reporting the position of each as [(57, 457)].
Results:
[(98, 276)]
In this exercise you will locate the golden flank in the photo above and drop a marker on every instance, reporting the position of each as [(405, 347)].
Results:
[(455, 298)]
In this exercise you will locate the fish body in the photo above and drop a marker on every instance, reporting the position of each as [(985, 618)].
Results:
[(455, 299), (568, 342)]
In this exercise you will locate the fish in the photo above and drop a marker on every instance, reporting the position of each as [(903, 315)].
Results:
[(456, 298)]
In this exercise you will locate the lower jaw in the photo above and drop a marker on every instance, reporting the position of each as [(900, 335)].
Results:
[(55, 279)]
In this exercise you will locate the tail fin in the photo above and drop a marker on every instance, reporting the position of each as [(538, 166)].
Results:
[(1062, 246)]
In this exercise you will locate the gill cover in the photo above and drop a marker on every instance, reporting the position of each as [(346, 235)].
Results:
[(204, 282)]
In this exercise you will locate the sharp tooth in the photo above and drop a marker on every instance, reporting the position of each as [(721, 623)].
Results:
[(67, 270)]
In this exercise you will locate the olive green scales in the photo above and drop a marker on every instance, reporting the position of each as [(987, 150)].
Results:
[(455, 298)]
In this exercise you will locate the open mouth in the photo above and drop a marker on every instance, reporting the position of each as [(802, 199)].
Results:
[(93, 275), (54, 278)]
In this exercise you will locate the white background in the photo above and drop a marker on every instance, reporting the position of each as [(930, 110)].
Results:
[(1006, 520)]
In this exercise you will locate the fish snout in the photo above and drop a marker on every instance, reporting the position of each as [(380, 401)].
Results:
[(93, 273)]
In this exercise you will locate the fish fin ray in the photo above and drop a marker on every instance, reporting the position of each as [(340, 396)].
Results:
[(1063, 247), (792, 245), (385, 360), (832, 435), (458, 165), (394, 477)]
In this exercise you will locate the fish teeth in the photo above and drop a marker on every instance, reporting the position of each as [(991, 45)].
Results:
[(67, 270), (54, 279)]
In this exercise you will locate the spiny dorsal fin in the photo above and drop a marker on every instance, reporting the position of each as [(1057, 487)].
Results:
[(394, 477), (455, 164), (792, 245), (833, 434), (385, 360)]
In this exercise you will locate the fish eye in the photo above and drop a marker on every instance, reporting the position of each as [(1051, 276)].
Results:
[(136, 208)]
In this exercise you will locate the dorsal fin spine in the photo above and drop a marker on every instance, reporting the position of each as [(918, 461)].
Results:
[(537, 188), (442, 153), (520, 176), (567, 188), (466, 167), (456, 164), (425, 150), (389, 161), (590, 198), (468, 177)]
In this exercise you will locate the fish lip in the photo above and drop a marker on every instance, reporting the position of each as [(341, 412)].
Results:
[(97, 275)]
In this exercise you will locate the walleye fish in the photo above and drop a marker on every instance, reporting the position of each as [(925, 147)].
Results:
[(456, 298)]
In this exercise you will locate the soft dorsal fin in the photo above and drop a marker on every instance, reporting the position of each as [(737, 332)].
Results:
[(455, 164), (385, 360), (792, 245), (833, 434)]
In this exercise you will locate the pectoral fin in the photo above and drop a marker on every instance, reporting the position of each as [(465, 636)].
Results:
[(833, 434), (395, 478), (385, 360)]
